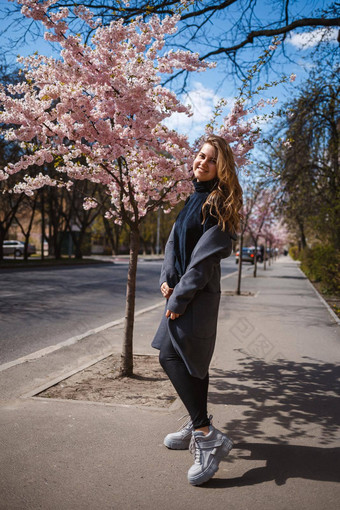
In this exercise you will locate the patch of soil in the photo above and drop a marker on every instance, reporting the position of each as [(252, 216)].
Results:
[(100, 382)]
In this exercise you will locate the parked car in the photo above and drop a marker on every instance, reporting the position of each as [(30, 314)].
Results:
[(248, 255), (17, 248), (259, 253)]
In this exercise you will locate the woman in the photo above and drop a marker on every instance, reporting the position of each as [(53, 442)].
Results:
[(190, 281)]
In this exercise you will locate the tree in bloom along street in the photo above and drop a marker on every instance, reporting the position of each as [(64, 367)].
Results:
[(97, 113), (262, 219)]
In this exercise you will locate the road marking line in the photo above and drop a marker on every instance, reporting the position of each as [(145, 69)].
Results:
[(227, 275), (74, 339)]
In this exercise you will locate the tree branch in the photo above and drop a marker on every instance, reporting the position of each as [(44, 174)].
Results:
[(305, 22)]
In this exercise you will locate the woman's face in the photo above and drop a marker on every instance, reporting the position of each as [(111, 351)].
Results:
[(205, 168)]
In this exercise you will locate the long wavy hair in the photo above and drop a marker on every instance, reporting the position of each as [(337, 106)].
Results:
[(225, 200)]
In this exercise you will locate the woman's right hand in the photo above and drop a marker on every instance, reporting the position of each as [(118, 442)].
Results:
[(165, 290)]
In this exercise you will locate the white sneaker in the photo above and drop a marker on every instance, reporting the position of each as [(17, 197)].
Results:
[(208, 451), (180, 440)]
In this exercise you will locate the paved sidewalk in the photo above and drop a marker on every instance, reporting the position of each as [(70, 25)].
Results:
[(274, 389)]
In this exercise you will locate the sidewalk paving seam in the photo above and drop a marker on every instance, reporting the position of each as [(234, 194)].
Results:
[(175, 406)]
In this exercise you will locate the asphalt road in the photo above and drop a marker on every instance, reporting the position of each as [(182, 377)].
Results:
[(40, 307)]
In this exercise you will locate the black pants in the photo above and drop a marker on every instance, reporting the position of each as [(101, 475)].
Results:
[(192, 391)]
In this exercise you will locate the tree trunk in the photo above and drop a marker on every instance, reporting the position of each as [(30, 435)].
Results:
[(113, 233), (42, 204), (117, 230), (2, 238), (57, 244), (50, 237), (158, 231), (28, 233), (7, 221), (302, 234), (126, 368), (77, 242), (255, 261), (238, 290)]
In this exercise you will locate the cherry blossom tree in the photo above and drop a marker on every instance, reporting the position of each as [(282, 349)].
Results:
[(279, 236), (97, 113), (262, 219), (276, 236), (251, 192)]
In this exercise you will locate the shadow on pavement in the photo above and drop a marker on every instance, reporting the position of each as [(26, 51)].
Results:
[(290, 277), (284, 462), (301, 400)]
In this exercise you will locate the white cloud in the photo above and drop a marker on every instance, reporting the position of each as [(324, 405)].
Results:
[(306, 65), (306, 40), (202, 101)]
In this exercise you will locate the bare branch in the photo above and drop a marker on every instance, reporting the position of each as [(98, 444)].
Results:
[(306, 22)]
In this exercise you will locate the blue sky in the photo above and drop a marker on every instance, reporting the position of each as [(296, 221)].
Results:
[(208, 87), (205, 89)]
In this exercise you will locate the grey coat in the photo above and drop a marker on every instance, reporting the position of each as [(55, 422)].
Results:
[(196, 298)]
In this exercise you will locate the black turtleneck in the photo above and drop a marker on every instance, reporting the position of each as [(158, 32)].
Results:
[(189, 227)]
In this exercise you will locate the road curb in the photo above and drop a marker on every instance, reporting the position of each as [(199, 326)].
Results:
[(73, 340), (333, 314)]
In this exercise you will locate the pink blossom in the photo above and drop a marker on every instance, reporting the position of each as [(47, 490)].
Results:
[(89, 203), (98, 111)]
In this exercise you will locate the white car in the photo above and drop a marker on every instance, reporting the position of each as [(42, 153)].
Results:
[(17, 248)]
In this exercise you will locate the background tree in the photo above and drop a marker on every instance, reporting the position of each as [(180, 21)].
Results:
[(80, 219), (308, 168), (26, 211), (251, 192), (261, 220), (156, 227), (8, 208), (9, 151)]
